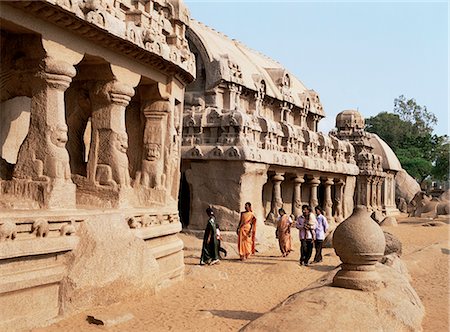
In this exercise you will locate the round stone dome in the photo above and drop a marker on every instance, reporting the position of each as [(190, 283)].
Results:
[(349, 119)]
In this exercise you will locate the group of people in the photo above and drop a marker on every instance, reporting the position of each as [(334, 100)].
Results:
[(312, 229), (246, 232)]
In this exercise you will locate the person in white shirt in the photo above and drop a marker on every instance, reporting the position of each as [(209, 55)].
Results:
[(306, 225), (321, 230)]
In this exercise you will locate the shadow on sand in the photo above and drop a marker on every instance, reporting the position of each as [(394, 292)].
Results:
[(235, 314)]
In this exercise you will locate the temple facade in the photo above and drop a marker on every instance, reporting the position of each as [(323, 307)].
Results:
[(119, 118), (250, 133), (91, 116)]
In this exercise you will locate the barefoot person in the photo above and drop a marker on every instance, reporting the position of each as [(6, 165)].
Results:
[(210, 248), (246, 232), (306, 224), (322, 228), (284, 232)]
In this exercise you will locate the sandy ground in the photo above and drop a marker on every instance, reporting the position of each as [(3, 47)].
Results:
[(227, 296)]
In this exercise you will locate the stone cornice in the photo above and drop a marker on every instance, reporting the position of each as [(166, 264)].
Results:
[(161, 56)]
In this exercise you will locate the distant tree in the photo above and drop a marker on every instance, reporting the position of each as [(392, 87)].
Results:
[(409, 132)]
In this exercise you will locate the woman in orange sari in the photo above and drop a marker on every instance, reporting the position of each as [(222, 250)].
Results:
[(284, 232), (246, 232)]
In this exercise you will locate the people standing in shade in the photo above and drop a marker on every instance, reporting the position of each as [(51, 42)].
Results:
[(284, 232), (246, 232), (322, 228), (306, 224), (210, 247)]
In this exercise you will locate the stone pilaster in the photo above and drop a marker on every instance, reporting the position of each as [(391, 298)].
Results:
[(108, 160), (43, 157), (297, 197), (339, 186), (314, 183), (277, 200), (328, 203)]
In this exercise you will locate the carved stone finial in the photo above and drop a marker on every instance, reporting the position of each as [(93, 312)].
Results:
[(359, 242)]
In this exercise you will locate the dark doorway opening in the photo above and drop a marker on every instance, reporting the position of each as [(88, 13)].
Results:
[(184, 201), (320, 195)]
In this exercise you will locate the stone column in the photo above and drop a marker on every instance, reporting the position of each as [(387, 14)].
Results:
[(364, 186), (314, 183), (42, 156), (108, 161), (379, 192), (303, 115), (297, 199), (328, 203), (277, 201), (373, 193), (338, 214)]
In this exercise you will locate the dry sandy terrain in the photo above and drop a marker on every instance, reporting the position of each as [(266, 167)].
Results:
[(227, 296)]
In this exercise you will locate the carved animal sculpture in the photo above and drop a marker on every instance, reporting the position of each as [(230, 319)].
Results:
[(40, 227), (146, 221), (68, 229), (151, 173), (112, 167), (424, 206), (133, 223), (8, 231), (44, 158)]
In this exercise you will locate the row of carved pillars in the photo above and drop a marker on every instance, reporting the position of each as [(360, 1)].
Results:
[(369, 191), (313, 183), (43, 155)]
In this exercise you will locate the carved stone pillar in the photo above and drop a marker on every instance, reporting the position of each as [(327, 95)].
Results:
[(339, 187), (379, 192), (108, 160), (42, 156), (277, 201), (152, 174), (314, 183), (328, 203), (364, 188), (297, 199), (373, 192), (303, 115)]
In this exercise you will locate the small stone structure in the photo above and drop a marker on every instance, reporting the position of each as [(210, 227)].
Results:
[(359, 242), (91, 116)]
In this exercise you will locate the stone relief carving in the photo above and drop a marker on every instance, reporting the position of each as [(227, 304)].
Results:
[(8, 230), (112, 163), (68, 229), (152, 174), (40, 228)]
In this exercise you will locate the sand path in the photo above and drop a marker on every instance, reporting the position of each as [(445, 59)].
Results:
[(212, 297)]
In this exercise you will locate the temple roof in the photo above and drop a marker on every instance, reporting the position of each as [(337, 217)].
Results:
[(380, 147), (232, 61)]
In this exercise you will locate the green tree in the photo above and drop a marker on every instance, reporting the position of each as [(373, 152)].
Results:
[(409, 132)]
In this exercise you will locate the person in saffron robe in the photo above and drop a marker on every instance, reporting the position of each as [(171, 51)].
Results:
[(246, 232), (284, 232), (210, 248)]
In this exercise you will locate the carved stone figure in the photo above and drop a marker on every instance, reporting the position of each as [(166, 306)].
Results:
[(51, 162), (112, 168), (68, 229), (8, 231), (133, 223), (151, 173), (40, 228), (423, 205)]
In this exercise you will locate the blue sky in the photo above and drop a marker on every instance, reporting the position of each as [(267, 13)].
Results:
[(354, 54)]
